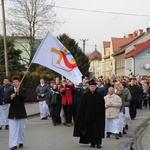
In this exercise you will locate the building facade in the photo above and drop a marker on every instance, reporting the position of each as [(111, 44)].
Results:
[(94, 59)]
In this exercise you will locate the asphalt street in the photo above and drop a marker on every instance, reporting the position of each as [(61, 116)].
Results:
[(42, 135)]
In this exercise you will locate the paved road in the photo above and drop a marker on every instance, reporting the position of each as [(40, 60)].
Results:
[(42, 135)]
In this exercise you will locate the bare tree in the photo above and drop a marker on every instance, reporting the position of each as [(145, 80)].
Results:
[(31, 19)]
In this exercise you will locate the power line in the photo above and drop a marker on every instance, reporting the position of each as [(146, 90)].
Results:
[(99, 11)]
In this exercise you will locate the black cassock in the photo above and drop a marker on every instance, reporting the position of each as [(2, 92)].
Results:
[(90, 121)]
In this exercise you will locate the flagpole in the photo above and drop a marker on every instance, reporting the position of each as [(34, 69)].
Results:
[(25, 73)]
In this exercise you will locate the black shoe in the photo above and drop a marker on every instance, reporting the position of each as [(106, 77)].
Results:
[(108, 135), (6, 127), (117, 136), (126, 127), (120, 134), (92, 145), (20, 145), (124, 131), (99, 146), (13, 148), (45, 118)]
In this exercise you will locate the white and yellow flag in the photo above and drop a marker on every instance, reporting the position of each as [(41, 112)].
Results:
[(53, 55)]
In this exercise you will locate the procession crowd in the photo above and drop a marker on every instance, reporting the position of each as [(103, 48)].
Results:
[(119, 99), (97, 107)]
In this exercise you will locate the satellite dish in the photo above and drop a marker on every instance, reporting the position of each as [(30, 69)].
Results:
[(147, 66)]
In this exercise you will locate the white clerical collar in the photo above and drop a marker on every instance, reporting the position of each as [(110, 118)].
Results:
[(15, 89), (42, 85)]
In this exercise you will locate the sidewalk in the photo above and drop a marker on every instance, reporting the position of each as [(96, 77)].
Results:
[(32, 109), (144, 139), (139, 129)]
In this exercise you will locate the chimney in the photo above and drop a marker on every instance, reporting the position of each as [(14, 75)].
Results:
[(130, 35), (148, 30), (135, 34), (140, 31)]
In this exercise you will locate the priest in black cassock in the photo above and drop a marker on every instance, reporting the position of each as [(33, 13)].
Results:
[(90, 121)]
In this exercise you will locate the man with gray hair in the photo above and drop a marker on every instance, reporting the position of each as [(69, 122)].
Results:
[(112, 104), (41, 91)]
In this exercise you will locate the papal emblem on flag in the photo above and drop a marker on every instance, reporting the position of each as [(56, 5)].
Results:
[(53, 55)]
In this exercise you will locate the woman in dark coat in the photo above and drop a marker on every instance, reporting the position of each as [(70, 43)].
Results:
[(90, 121), (55, 104)]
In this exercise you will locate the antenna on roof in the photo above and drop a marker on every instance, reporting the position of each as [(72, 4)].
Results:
[(95, 47)]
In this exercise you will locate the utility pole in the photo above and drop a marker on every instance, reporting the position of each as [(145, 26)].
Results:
[(84, 44), (5, 41)]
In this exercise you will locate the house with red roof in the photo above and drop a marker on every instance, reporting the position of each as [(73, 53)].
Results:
[(94, 58), (109, 48), (124, 65), (138, 59)]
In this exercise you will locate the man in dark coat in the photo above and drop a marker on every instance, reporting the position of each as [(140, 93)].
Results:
[(17, 114), (134, 90), (4, 107), (90, 121)]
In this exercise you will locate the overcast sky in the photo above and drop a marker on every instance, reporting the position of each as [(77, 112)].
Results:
[(96, 26)]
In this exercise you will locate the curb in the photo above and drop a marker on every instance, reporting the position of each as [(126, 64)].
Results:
[(33, 115), (141, 135)]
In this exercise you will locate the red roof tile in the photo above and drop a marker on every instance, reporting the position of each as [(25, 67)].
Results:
[(122, 50), (117, 43), (106, 44), (95, 55), (138, 48)]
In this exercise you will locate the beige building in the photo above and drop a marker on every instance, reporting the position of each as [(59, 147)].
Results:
[(108, 62), (94, 69)]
